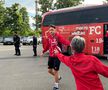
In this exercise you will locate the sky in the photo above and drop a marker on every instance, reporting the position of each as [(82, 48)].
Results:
[(30, 5), (93, 1)]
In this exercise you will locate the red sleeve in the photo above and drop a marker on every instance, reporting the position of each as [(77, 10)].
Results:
[(64, 59), (46, 46), (63, 40), (100, 67)]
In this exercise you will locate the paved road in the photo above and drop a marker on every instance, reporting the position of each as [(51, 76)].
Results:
[(26, 72)]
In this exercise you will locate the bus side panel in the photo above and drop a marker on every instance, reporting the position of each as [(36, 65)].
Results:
[(93, 34), (65, 31), (95, 39), (81, 30), (69, 31)]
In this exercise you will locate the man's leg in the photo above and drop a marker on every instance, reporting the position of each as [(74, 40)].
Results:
[(34, 50), (51, 71), (50, 65), (15, 51), (18, 51), (56, 72), (56, 76)]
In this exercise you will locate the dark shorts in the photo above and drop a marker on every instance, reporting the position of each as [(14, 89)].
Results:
[(53, 63)]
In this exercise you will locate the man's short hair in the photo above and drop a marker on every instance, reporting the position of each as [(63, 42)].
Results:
[(53, 26), (78, 44)]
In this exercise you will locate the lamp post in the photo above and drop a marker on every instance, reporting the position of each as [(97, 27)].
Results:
[(36, 10)]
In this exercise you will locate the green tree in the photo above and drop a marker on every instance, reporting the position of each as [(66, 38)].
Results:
[(25, 27), (46, 5), (38, 19), (17, 19), (13, 18), (67, 3), (2, 17)]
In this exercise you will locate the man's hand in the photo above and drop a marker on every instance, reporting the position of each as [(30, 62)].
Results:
[(57, 50), (41, 54)]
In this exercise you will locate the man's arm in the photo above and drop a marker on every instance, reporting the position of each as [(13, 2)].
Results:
[(100, 67), (63, 40)]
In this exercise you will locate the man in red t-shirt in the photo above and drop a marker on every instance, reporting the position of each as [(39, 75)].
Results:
[(53, 38)]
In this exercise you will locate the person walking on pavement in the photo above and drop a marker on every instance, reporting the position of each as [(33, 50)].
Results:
[(85, 68), (35, 45), (52, 41), (16, 40)]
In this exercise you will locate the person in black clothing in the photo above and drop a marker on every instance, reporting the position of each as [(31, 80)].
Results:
[(34, 45), (16, 40)]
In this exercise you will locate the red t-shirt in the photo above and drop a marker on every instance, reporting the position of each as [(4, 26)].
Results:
[(51, 43), (85, 69)]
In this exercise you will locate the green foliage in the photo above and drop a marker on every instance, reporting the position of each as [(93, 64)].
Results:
[(2, 14), (7, 32), (67, 3), (14, 18), (46, 5), (38, 19)]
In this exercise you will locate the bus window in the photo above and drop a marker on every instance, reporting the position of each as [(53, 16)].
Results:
[(77, 17), (67, 18), (49, 19)]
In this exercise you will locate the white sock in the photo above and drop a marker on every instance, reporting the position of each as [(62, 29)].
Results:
[(56, 85)]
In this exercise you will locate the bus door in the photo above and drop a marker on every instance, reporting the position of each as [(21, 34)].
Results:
[(95, 39), (105, 38)]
